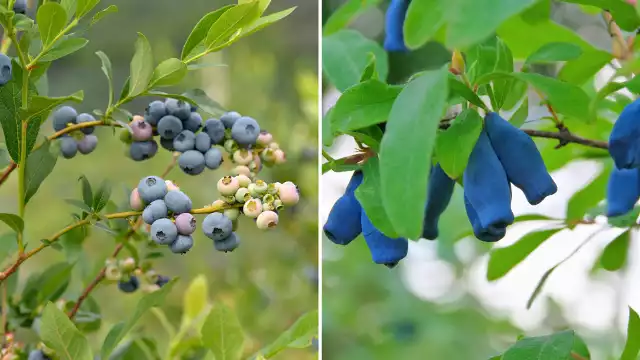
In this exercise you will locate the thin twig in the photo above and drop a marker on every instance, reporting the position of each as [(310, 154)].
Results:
[(5, 174)]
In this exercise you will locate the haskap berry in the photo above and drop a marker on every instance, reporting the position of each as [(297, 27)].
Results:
[(20, 7), (439, 192), (394, 24), (344, 223), (227, 244), (164, 231), (623, 191)]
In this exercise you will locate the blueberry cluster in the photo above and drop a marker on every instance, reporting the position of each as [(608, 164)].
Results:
[(503, 155), (162, 201), (82, 141), (129, 276)]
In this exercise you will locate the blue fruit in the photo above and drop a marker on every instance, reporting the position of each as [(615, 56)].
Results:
[(228, 119), (152, 188), (164, 231), (228, 244), (155, 211), (5, 69), (439, 193), (191, 162), (83, 118), (343, 223), (38, 354), (169, 127), (178, 202), (245, 131), (167, 144), (182, 244), (215, 129), (63, 116), (213, 158), (178, 108), (624, 145), (488, 234), (623, 191), (154, 112), (486, 186), (129, 286), (217, 226), (185, 141), (394, 24), (203, 142), (143, 150), (384, 250), (193, 123), (520, 159), (20, 7), (87, 144), (162, 280), (68, 147)]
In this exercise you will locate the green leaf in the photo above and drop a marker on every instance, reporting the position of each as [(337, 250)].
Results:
[(69, 7), (51, 19), (502, 260), (589, 196), (84, 6), (41, 106), (454, 145), (299, 335), (63, 48), (632, 346), (555, 51), (369, 72), (369, 197), (550, 347), (87, 192), (345, 55), (199, 32), (79, 204), (615, 253), (40, 164), (262, 23), (141, 66), (424, 18), (460, 89), (102, 13), (230, 23), (101, 196), (108, 72), (59, 334), (405, 150), (582, 69), (222, 333), (479, 19), (196, 299), (624, 14), (53, 282), (363, 105), (118, 331), (520, 116), (14, 221), (345, 14), (168, 72), (203, 101)]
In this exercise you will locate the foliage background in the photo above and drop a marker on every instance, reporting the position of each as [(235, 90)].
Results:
[(438, 304), (272, 76)]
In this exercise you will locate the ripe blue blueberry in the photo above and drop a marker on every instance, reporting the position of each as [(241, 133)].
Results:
[(185, 141), (162, 280), (5, 69), (169, 127), (191, 162), (155, 211), (178, 202), (68, 147), (194, 122), (384, 250), (129, 286), (228, 119), (152, 188), (182, 244), (164, 231), (186, 224), (87, 144), (20, 7), (245, 131), (215, 129), (143, 150), (154, 112), (63, 116), (83, 118), (37, 354), (203, 142), (228, 244), (178, 108), (167, 144), (217, 226), (213, 158)]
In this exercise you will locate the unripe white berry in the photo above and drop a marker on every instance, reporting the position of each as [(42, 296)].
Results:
[(241, 170), (267, 220), (243, 180), (243, 195), (252, 208), (279, 156), (242, 157), (228, 185), (135, 201)]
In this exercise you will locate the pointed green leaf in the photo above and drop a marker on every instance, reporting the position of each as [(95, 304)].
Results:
[(623, 13), (69, 7), (51, 19), (41, 106), (555, 51), (588, 197), (87, 192), (59, 334), (550, 347), (230, 22), (222, 333), (424, 19), (614, 255), (84, 6), (520, 116), (14, 221), (102, 13), (108, 72), (262, 23), (632, 346), (299, 335), (141, 66), (168, 72), (364, 104), (345, 14), (454, 145), (199, 32), (102, 195), (40, 164), (63, 48)]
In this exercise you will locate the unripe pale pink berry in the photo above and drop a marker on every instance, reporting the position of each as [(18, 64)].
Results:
[(128, 264), (243, 180), (273, 188), (279, 156), (186, 224), (252, 208), (142, 131), (242, 157), (171, 186), (261, 187), (243, 195), (268, 155), (257, 161), (288, 193), (267, 220), (268, 206), (264, 138), (232, 213), (135, 201), (228, 185), (274, 146), (241, 170)]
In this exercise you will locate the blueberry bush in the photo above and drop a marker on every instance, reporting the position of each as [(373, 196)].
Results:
[(440, 108), (196, 133)]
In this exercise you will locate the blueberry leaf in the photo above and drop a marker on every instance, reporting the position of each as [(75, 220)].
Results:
[(108, 72), (550, 347), (41, 106), (14, 221), (168, 72), (222, 333), (63, 48), (229, 24), (199, 32), (40, 164), (69, 7), (141, 66), (203, 101), (454, 145), (51, 18), (299, 335), (102, 13), (261, 23), (632, 346), (196, 299), (101, 196), (59, 334), (406, 148), (84, 6)]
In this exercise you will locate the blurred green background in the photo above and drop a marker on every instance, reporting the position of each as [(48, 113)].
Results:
[(270, 280)]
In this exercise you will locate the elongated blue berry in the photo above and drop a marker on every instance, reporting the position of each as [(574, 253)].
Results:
[(623, 191), (384, 250), (439, 193), (624, 143), (520, 159), (343, 224), (394, 24), (486, 185), (488, 234)]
